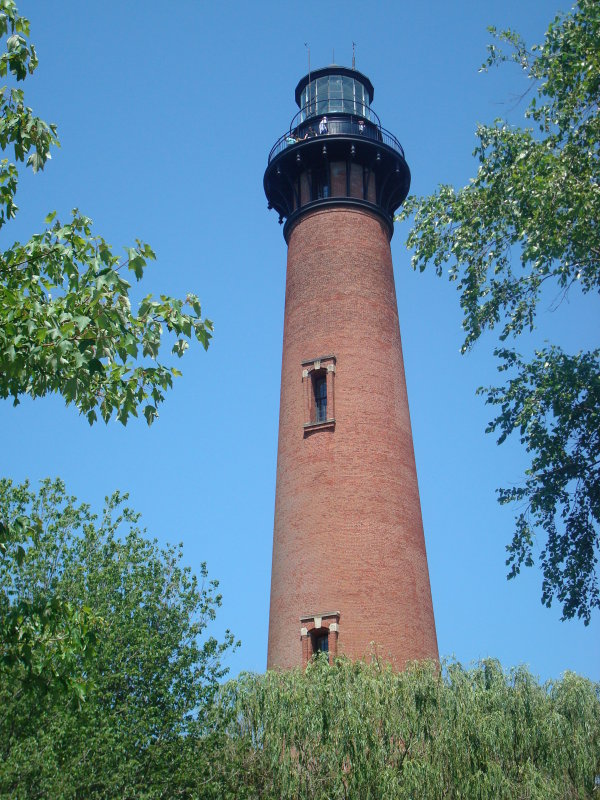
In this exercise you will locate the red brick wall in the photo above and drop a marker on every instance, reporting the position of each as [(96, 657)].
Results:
[(348, 533)]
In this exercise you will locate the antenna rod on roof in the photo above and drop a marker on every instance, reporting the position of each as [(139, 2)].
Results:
[(353, 55), (333, 55), (306, 44)]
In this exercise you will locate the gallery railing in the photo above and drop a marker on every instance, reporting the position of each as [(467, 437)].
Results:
[(350, 125)]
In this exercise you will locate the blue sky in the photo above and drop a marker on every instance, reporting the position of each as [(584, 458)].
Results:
[(166, 114)]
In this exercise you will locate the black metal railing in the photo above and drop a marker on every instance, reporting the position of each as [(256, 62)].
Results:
[(344, 125), (334, 105)]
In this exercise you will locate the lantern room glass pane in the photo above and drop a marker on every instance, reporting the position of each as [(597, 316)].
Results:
[(322, 86), (348, 94), (348, 88), (310, 99), (335, 93), (361, 98)]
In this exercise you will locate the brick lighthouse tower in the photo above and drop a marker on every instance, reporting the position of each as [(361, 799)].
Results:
[(349, 562)]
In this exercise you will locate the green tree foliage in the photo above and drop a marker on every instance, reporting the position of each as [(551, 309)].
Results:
[(66, 320), (359, 730), (528, 223), (146, 725), (45, 640)]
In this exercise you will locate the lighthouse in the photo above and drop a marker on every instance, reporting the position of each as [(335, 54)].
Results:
[(349, 574)]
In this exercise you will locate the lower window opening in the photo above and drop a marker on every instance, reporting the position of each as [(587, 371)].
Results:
[(321, 643)]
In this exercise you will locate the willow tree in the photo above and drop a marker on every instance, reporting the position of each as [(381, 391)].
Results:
[(363, 730)]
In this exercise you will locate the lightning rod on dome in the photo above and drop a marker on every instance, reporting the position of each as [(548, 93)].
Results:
[(306, 44)]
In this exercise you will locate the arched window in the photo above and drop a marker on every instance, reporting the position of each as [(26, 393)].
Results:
[(319, 634), (318, 388), (320, 396)]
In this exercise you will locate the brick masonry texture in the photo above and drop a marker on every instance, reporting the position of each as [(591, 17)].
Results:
[(348, 533)]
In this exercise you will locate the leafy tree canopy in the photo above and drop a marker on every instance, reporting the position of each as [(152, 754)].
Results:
[(66, 321), (45, 640), (362, 730), (530, 220), (149, 687)]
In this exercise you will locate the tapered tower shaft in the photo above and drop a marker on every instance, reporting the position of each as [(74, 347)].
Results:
[(349, 563)]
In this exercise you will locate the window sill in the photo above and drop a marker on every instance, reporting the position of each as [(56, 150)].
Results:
[(312, 427)]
